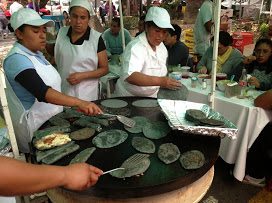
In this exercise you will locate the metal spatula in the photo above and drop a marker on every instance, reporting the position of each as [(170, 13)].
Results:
[(134, 160), (113, 170), (125, 120)]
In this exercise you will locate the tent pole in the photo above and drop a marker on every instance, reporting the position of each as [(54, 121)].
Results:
[(122, 25), (110, 7), (34, 5), (217, 9), (7, 118)]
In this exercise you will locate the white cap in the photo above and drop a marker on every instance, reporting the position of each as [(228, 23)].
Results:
[(83, 3), (159, 16), (29, 17)]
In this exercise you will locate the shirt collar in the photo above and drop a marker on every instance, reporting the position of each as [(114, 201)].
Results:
[(86, 35)]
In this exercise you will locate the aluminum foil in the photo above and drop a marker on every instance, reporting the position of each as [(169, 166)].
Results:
[(174, 111)]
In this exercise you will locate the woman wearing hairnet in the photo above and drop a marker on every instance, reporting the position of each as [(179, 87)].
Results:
[(33, 85), (80, 54), (144, 68)]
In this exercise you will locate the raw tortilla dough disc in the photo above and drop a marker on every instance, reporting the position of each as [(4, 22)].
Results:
[(156, 129), (114, 103), (168, 153), (180, 94), (143, 145), (140, 122), (145, 103), (110, 138)]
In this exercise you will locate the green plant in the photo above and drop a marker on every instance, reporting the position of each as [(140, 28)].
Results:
[(171, 7), (263, 30), (130, 22)]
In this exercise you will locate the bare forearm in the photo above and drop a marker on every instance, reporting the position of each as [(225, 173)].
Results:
[(54, 97), (141, 79), (19, 178), (264, 100)]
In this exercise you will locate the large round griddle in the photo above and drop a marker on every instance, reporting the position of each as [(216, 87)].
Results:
[(159, 178)]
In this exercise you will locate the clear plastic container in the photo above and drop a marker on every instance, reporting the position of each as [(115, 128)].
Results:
[(185, 71)]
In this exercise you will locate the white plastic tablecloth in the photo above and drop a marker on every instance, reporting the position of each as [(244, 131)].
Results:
[(249, 120)]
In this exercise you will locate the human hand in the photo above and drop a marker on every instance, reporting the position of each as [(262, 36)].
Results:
[(249, 59), (170, 83), (90, 108), (254, 81), (81, 176), (202, 70), (75, 78)]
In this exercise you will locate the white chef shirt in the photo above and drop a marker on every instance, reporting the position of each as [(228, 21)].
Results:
[(140, 57)]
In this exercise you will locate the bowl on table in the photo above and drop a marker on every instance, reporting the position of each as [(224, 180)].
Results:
[(200, 77), (221, 76), (221, 84)]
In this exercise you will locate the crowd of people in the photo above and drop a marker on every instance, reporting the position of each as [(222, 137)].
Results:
[(37, 91)]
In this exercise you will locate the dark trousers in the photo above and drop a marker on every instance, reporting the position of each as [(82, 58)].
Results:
[(259, 158)]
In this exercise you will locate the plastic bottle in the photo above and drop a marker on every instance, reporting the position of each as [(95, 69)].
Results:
[(194, 81), (204, 84), (243, 83), (195, 63), (238, 40)]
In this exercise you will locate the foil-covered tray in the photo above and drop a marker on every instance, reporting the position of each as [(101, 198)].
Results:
[(174, 111)]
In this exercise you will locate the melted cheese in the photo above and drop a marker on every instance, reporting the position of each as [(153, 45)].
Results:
[(55, 139)]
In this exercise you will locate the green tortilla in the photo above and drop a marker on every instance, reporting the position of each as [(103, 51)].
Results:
[(110, 138), (132, 169), (114, 103), (156, 129), (192, 159), (140, 122), (180, 94), (168, 153), (143, 145), (83, 156), (194, 115), (82, 134), (145, 103)]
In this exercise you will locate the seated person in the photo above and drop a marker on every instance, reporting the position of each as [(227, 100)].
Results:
[(113, 38), (143, 68), (259, 158), (260, 65), (228, 58), (140, 25), (178, 52)]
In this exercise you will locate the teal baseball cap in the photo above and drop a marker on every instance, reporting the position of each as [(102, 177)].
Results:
[(159, 16)]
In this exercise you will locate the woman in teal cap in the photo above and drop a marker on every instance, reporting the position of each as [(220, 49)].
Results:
[(33, 85)]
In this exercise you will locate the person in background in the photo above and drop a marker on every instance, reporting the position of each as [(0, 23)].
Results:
[(15, 6), (141, 26), (113, 38), (3, 22), (259, 157), (228, 59), (260, 65), (20, 178), (30, 5), (178, 52), (143, 69), (33, 84), (102, 11), (80, 54), (202, 28)]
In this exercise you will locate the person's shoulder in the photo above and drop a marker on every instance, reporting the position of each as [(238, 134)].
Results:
[(236, 53), (107, 31)]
